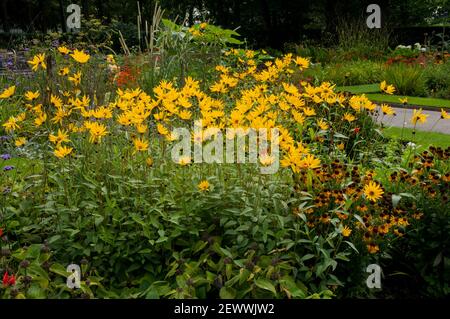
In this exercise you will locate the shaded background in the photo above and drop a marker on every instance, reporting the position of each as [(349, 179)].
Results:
[(262, 23)]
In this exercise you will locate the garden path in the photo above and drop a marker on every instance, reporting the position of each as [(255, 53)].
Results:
[(404, 117)]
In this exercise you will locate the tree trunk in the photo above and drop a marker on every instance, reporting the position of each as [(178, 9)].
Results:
[(62, 15)]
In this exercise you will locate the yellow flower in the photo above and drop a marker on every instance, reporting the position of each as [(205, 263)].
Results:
[(322, 124), (40, 119), (63, 71), (373, 248), (346, 231), (80, 56), (309, 162), (185, 115), (309, 111), (59, 138), (341, 146), (388, 89), (387, 110), (96, 131), (110, 59), (203, 185), (63, 50), (302, 62), (444, 115), (140, 145), (266, 160), (349, 117), (404, 100), (20, 141), (30, 96), (56, 101), (149, 161), (11, 124), (373, 191), (203, 25), (184, 160), (161, 129), (8, 92), (62, 151), (418, 116), (38, 60), (75, 78)]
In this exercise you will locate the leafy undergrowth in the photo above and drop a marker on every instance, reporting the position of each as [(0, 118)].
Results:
[(91, 179)]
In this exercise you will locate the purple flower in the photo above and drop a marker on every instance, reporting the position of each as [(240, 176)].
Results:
[(4, 138), (5, 157), (8, 168)]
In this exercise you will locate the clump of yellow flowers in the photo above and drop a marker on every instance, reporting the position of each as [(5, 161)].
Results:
[(245, 94)]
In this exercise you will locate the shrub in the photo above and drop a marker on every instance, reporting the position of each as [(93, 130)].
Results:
[(354, 73), (437, 79), (407, 79)]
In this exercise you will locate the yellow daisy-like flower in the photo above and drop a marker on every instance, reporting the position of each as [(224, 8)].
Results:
[(373, 191), (185, 160), (302, 62), (8, 92), (266, 160), (63, 71), (309, 162), (20, 141), (373, 248), (80, 56), (323, 125), (62, 151), (30, 96), (349, 117), (76, 78), (346, 231), (59, 138), (387, 110), (38, 61), (388, 89), (140, 145), (404, 100), (203, 186), (418, 116), (63, 50), (309, 111), (444, 115), (149, 161)]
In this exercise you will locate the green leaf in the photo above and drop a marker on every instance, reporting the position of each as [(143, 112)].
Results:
[(227, 293), (59, 270), (266, 285)]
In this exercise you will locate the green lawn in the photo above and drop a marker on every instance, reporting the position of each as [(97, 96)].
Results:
[(359, 89), (422, 139), (373, 93), (420, 101)]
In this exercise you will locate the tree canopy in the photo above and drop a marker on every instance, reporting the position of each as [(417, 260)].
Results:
[(265, 22)]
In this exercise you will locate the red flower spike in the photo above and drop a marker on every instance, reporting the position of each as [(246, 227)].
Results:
[(5, 279), (12, 280)]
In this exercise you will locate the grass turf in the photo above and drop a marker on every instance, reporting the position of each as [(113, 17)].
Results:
[(422, 139), (373, 93)]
